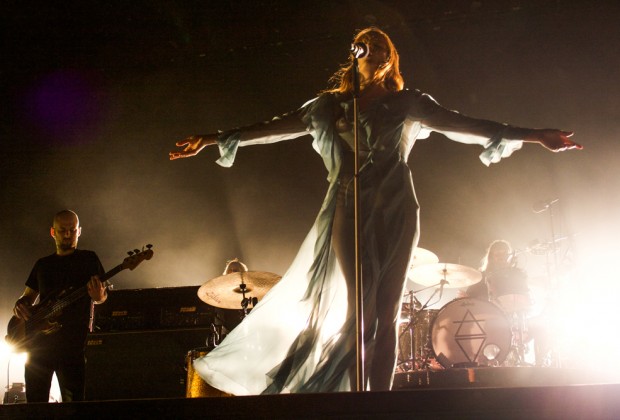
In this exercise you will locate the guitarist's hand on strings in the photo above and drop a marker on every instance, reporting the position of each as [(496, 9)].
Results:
[(96, 290), (23, 305)]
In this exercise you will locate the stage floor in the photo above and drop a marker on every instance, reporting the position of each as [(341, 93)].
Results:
[(488, 393), (499, 377)]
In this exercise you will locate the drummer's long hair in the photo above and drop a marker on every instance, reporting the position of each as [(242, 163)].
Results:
[(484, 264), (388, 74)]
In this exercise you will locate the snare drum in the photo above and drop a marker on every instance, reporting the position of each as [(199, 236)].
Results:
[(196, 387), (414, 337), (469, 332)]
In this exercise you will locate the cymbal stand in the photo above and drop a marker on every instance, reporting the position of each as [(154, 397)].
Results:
[(246, 301), (518, 329)]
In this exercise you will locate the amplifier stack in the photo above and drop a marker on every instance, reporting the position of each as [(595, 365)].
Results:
[(140, 342)]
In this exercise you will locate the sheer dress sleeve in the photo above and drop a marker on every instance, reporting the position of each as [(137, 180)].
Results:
[(285, 127), (499, 140)]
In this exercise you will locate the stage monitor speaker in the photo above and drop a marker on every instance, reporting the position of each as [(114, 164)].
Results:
[(140, 364)]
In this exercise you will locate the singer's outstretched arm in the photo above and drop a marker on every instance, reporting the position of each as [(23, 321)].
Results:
[(285, 127)]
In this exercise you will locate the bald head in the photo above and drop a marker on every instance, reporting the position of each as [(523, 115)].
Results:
[(66, 230), (65, 214)]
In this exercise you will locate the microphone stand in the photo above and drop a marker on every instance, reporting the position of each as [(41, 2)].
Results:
[(556, 358), (554, 278), (554, 246), (359, 290)]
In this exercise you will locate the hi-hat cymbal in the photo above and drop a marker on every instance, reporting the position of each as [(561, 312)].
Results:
[(422, 256), (226, 291), (454, 274)]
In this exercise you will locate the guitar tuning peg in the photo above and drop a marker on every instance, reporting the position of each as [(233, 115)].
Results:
[(130, 253), (149, 246), (137, 251)]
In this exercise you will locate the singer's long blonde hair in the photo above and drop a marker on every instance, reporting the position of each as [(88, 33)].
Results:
[(388, 75)]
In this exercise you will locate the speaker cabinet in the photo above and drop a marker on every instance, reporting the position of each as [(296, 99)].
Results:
[(152, 309), (140, 364)]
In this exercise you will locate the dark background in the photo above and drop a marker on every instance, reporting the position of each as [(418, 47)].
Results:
[(95, 94)]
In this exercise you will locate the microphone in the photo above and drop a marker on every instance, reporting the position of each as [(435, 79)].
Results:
[(359, 50), (540, 206)]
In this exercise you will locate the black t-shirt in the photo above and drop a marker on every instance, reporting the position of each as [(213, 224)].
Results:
[(59, 278), (506, 281), (478, 291)]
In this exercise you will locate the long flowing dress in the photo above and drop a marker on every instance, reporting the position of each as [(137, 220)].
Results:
[(298, 337)]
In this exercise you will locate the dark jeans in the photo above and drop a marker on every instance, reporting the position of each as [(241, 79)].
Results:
[(70, 368)]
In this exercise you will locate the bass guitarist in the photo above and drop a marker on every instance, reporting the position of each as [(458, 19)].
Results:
[(58, 344)]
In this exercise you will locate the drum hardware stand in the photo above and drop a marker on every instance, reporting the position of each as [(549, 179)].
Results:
[(441, 285), (213, 339), (246, 301), (518, 327)]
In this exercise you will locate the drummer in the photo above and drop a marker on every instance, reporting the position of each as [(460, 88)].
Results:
[(502, 282), (505, 284)]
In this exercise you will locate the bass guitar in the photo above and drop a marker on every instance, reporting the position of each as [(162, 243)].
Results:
[(43, 315)]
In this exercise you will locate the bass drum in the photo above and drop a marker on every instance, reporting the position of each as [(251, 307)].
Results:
[(469, 332), (195, 386)]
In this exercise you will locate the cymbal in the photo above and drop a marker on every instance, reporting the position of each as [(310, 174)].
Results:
[(456, 275), (422, 256), (226, 292), (541, 248)]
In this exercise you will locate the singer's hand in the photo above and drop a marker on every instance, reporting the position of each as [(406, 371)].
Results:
[(193, 145), (554, 140)]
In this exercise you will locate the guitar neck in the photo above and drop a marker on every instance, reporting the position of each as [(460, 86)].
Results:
[(82, 291), (107, 276)]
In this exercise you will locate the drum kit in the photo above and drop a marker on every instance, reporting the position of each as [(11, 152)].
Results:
[(465, 332)]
